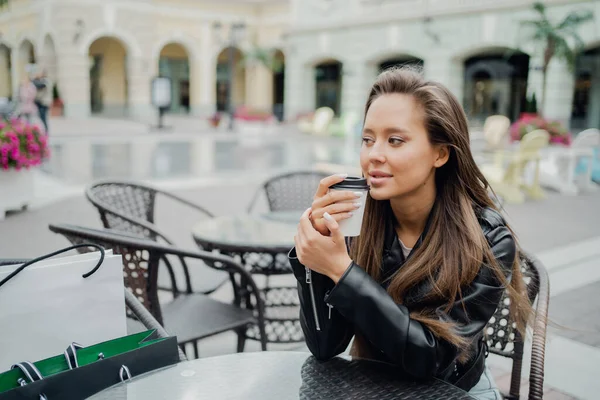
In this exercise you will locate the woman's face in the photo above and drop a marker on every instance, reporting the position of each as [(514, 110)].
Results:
[(396, 156)]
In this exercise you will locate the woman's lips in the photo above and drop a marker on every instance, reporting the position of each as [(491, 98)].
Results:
[(378, 180)]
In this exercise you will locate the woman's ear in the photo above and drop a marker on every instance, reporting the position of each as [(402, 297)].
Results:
[(443, 154)]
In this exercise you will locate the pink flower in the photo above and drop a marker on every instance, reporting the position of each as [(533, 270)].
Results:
[(22, 145)]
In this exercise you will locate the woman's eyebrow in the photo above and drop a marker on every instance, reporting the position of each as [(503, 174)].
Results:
[(387, 131)]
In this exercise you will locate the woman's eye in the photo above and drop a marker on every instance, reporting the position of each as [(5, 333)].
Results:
[(367, 140), (395, 141)]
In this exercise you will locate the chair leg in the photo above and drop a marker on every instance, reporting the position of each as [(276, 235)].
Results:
[(241, 340), (515, 379), (184, 348), (196, 351), (263, 336), (263, 343), (511, 193), (534, 190)]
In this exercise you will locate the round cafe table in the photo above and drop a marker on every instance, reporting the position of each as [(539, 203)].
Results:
[(261, 243), (278, 375), (269, 233)]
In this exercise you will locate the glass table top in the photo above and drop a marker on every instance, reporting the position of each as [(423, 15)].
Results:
[(278, 375), (272, 230)]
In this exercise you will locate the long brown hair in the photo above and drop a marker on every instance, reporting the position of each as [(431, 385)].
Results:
[(454, 248)]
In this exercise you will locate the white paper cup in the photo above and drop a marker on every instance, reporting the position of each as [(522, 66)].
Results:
[(350, 227)]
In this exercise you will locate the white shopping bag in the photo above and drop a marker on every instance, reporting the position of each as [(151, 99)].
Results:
[(49, 305)]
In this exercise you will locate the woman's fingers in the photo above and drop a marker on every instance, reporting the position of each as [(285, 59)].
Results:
[(327, 182), (305, 226), (337, 208), (321, 227), (341, 216), (335, 196)]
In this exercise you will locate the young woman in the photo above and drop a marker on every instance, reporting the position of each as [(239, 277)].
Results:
[(434, 256)]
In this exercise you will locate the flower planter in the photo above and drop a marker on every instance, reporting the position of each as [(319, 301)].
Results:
[(565, 140), (22, 147), (17, 189), (529, 115), (531, 121)]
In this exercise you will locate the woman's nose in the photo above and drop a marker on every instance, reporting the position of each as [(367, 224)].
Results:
[(376, 153)]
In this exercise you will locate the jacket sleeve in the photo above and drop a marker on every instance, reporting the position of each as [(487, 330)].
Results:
[(327, 333), (406, 342)]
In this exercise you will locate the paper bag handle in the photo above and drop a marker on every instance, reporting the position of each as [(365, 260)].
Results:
[(76, 246)]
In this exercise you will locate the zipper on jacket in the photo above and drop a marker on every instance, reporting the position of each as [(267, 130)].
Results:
[(330, 307), (312, 297)]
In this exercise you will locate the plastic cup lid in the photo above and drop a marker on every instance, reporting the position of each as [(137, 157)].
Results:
[(351, 183)]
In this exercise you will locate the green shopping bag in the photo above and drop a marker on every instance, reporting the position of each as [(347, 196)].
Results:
[(83, 371)]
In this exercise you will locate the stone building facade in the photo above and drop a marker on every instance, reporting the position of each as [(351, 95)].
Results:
[(335, 48), (103, 54)]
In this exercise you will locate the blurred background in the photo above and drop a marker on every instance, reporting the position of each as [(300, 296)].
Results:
[(209, 99)]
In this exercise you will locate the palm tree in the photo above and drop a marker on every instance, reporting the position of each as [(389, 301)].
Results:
[(554, 38), (266, 57)]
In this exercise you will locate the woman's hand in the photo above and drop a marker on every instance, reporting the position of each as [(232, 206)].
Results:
[(337, 203), (326, 255)]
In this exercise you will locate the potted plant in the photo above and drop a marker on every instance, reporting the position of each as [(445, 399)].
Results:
[(215, 119), (250, 114), (266, 57), (57, 107), (22, 146), (528, 123)]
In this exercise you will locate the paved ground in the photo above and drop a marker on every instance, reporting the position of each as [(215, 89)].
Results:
[(556, 221), (97, 126), (577, 312), (564, 232)]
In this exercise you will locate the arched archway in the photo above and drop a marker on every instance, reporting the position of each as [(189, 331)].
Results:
[(495, 82), (25, 59), (399, 60), (328, 84), (174, 63), (379, 62), (585, 112), (108, 77), (238, 91), (278, 84), (5, 72)]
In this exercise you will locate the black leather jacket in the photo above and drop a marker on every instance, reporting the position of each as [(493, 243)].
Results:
[(329, 314)]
